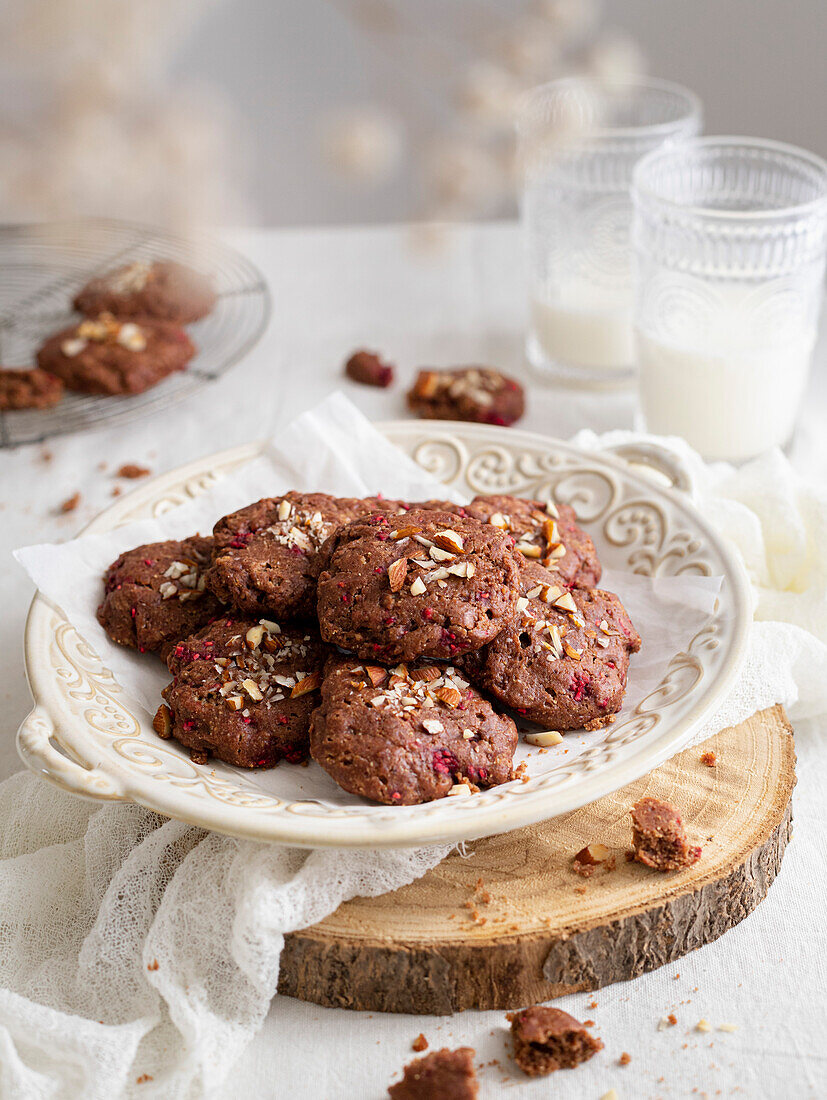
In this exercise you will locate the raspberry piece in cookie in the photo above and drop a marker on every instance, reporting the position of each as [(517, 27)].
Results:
[(113, 357), (163, 291), (478, 394), (243, 691), (266, 557), (425, 584), (563, 663), (545, 532), (155, 594), (28, 388), (408, 734)]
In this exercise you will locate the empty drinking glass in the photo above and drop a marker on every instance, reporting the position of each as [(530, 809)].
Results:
[(730, 236), (578, 147)]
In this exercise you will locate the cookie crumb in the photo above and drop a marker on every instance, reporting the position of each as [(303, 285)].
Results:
[(70, 503), (443, 1072), (369, 369), (703, 1026), (153, 965), (420, 1043), (131, 470), (709, 758), (142, 1080), (727, 1027), (624, 1059), (547, 1039)]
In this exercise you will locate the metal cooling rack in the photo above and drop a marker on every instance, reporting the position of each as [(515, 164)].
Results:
[(43, 266)]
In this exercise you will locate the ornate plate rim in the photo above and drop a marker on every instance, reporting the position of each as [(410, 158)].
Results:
[(73, 770)]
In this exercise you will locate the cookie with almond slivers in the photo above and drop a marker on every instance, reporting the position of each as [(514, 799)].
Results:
[(543, 532), (408, 734), (156, 594), (266, 558), (478, 394), (112, 357), (563, 662), (424, 584), (162, 290), (243, 691)]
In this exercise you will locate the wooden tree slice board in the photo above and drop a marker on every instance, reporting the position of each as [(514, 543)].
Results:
[(421, 949)]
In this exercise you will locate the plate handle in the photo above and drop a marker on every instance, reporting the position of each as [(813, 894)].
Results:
[(657, 462), (39, 754)]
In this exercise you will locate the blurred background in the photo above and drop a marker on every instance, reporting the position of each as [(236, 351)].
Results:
[(288, 112)]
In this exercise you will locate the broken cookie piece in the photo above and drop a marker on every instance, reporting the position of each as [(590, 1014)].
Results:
[(659, 838), (442, 1075), (547, 1039)]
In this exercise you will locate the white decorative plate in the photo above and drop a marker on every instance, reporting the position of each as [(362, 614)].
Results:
[(84, 736)]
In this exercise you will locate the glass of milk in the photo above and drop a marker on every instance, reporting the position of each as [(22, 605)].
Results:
[(578, 145), (730, 236)]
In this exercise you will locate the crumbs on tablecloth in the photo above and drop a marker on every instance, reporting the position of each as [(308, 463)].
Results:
[(131, 470), (70, 503)]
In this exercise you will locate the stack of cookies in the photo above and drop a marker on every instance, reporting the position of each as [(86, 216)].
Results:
[(392, 642), (131, 337)]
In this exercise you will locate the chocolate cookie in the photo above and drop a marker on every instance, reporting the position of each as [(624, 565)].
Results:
[(547, 1039), (478, 394), (113, 357), (154, 595), (163, 291), (407, 734), (266, 557), (28, 388), (563, 663), (244, 690), (426, 584), (544, 532), (441, 1075)]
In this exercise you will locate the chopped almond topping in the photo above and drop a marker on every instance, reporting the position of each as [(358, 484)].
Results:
[(162, 722), (545, 739), (449, 540), (376, 674), (448, 695), (404, 533), (430, 672), (418, 588), (397, 571), (309, 683), (593, 854)]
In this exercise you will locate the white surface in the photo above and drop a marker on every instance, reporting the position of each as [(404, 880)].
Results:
[(332, 291)]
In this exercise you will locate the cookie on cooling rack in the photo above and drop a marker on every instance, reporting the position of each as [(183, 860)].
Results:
[(563, 662), (108, 356), (404, 735), (155, 594), (28, 388), (163, 290), (244, 690)]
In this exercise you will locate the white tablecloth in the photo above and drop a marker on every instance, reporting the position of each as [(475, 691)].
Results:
[(333, 291)]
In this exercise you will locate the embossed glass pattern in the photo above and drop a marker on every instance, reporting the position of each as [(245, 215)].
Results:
[(578, 149), (730, 237)]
